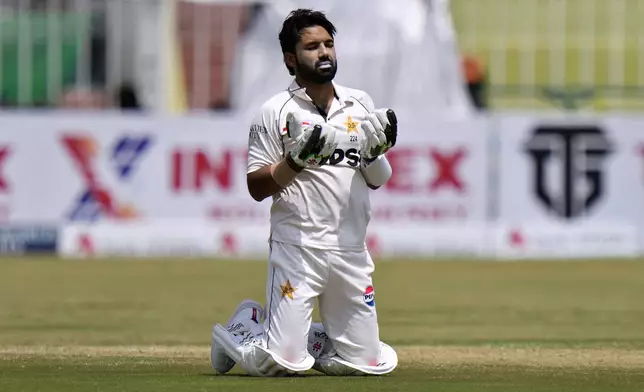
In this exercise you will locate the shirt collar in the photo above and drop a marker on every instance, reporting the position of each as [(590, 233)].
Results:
[(300, 92)]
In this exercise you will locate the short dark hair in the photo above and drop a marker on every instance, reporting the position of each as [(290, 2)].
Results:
[(298, 20)]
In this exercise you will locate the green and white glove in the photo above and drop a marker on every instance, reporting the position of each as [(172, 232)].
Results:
[(381, 131), (314, 143)]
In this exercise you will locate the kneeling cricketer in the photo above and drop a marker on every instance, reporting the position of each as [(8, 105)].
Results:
[(318, 149)]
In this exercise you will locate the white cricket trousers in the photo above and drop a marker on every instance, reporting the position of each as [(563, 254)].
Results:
[(342, 283)]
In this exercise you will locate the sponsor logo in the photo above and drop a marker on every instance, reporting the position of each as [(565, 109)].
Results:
[(350, 156), (370, 296), (579, 153), (640, 151), (256, 131), (4, 155), (320, 335), (85, 244), (235, 327), (28, 239), (516, 239), (228, 243), (442, 170), (194, 170), (97, 200)]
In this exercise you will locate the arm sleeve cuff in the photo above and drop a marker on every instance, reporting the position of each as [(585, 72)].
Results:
[(378, 172)]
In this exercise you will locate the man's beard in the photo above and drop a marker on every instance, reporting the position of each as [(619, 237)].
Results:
[(317, 75)]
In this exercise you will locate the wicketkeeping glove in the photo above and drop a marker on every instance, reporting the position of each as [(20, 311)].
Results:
[(381, 131), (314, 143)]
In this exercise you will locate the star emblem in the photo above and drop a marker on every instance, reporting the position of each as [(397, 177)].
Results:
[(351, 126), (287, 289)]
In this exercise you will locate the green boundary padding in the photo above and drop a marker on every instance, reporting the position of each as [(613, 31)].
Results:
[(571, 46), (570, 97), (71, 25)]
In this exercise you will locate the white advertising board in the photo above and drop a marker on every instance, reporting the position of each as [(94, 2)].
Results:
[(565, 240), (567, 186), (100, 174), (190, 238), (571, 170), (439, 174), (212, 239), (179, 168), (422, 240), (137, 167)]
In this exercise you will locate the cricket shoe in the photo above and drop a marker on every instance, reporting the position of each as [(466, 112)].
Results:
[(318, 341), (333, 365), (243, 325)]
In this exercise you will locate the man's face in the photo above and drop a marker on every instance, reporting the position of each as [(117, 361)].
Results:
[(315, 59)]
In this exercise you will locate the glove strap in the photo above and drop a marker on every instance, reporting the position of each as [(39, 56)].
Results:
[(368, 161), (292, 164)]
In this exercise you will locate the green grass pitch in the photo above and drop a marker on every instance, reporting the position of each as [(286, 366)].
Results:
[(142, 325), (585, 46)]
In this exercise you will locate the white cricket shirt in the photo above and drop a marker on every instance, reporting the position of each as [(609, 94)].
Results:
[(325, 207)]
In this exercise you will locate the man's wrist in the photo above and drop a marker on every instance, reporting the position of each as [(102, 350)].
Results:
[(282, 172), (367, 161), (292, 164)]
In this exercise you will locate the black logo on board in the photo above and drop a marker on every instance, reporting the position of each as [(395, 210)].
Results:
[(568, 167)]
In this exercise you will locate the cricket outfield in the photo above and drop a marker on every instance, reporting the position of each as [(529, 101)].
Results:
[(114, 325)]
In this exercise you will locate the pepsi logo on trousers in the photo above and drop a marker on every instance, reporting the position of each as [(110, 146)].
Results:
[(370, 296)]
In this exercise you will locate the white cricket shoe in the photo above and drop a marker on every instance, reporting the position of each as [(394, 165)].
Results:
[(318, 341), (247, 316)]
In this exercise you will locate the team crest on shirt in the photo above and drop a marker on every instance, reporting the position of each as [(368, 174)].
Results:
[(370, 296), (352, 126), (287, 289)]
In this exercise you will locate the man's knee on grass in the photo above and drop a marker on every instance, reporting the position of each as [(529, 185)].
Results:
[(329, 362), (254, 358), (335, 365)]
